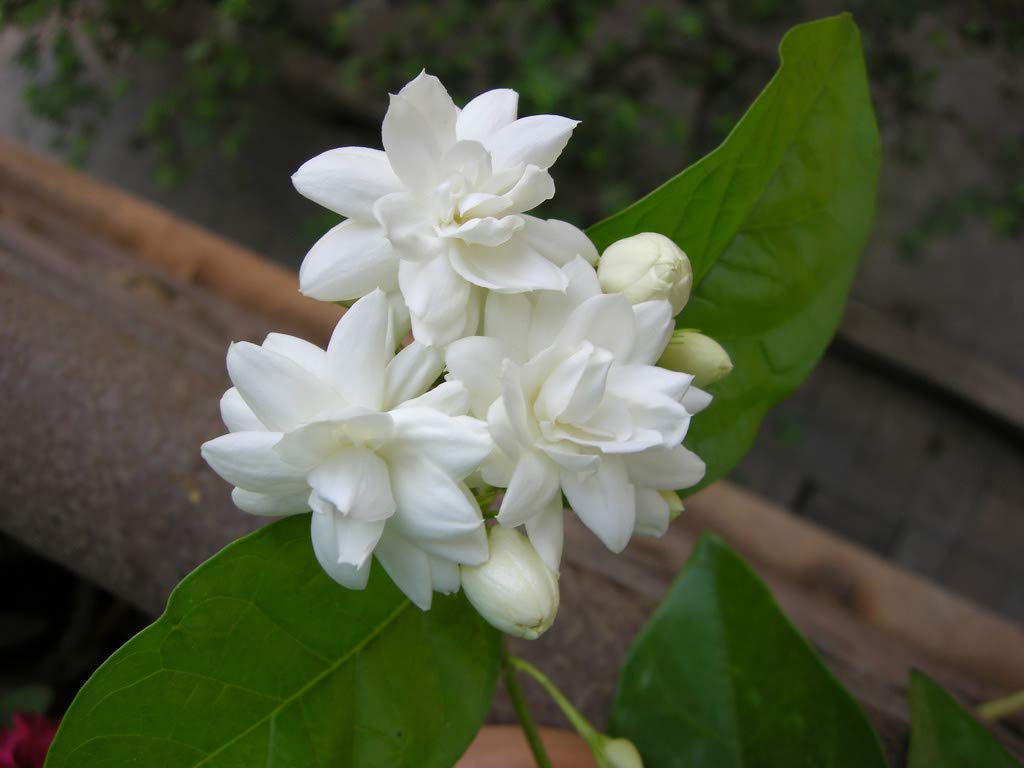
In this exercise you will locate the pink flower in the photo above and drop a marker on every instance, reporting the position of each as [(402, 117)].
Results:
[(25, 743)]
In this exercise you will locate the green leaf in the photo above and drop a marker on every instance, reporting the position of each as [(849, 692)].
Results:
[(261, 659), (943, 735), (773, 221), (720, 678)]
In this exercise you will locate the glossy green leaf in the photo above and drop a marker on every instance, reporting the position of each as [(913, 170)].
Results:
[(260, 659), (720, 679), (773, 222), (944, 735)]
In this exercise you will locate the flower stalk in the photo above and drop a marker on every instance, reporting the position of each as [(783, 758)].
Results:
[(515, 693)]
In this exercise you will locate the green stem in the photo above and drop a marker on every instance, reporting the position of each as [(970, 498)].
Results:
[(515, 693), (583, 728), (994, 710)]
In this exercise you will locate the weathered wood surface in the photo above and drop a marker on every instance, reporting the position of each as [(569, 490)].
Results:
[(111, 370)]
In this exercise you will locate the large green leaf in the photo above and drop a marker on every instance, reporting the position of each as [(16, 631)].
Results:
[(773, 221), (943, 735), (260, 659), (719, 678)]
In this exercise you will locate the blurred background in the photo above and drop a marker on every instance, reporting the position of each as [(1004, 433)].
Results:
[(908, 439)]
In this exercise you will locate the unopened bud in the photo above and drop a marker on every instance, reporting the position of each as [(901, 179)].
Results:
[(619, 753), (699, 355), (514, 590), (675, 504), (645, 267)]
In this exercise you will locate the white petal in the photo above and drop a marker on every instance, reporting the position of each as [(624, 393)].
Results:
[(427, 94), (248, 460), (551, 309), (342, 547), (280, 392), (467, 549), (360, 349), (547, 532), (652, 513), (512, 267), (574, 390), (487, 113), (534, 482), (476, 362), (408, 226), (636, 383), (665, 469), (487, 231), (477, 204), (605, 321), (309, 445), (444, 575), (507, 440), (535, 140), (356, 482), (457, 444), (448, 397), (559, 241), (696, 400), (438, 300), (411, 146), (605, 501), (533, 188), (348, 180), (470, 160), (570, 456), (299, 351), (349, 261), (271, 505), (654, 326), (410, 373), (507, 319), (237, 415), (407, 565), (520, 418), (431, 505)]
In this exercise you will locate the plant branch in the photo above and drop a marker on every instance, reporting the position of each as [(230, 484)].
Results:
[(515, 693), (583, 728), (999, 708)]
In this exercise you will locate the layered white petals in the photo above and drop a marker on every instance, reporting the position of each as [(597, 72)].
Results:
[(438, 215), (575, 406), (354, 434)]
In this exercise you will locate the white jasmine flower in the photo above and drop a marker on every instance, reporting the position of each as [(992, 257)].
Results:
[(645, 267), (352, 433), (575, 404), (438, 216), (514, 590)]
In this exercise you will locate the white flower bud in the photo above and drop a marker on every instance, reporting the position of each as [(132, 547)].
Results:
[(645, 267), (701, 356), (514, 590), (620, 753)]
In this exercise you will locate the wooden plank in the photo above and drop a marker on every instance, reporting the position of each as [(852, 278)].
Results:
[(956, 371)]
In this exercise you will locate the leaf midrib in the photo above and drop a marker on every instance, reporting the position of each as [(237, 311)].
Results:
[(312, 682)]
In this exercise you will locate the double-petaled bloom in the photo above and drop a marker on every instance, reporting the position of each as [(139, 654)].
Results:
[(355, 434), (438, 218), (575, 404)]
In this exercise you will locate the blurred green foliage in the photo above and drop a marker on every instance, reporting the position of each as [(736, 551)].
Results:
[(655, 83)]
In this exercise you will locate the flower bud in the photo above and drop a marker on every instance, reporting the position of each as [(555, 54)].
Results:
[(701, 356), (645, 267), (675, 504), (620, 753), (514, 590)]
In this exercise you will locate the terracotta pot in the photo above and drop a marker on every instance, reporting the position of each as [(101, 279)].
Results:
[(504, 746)]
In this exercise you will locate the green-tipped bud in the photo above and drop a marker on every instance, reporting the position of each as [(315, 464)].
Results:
[(514, 590), (675, 504), (645, 267), (618, 753), (701, 356)]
